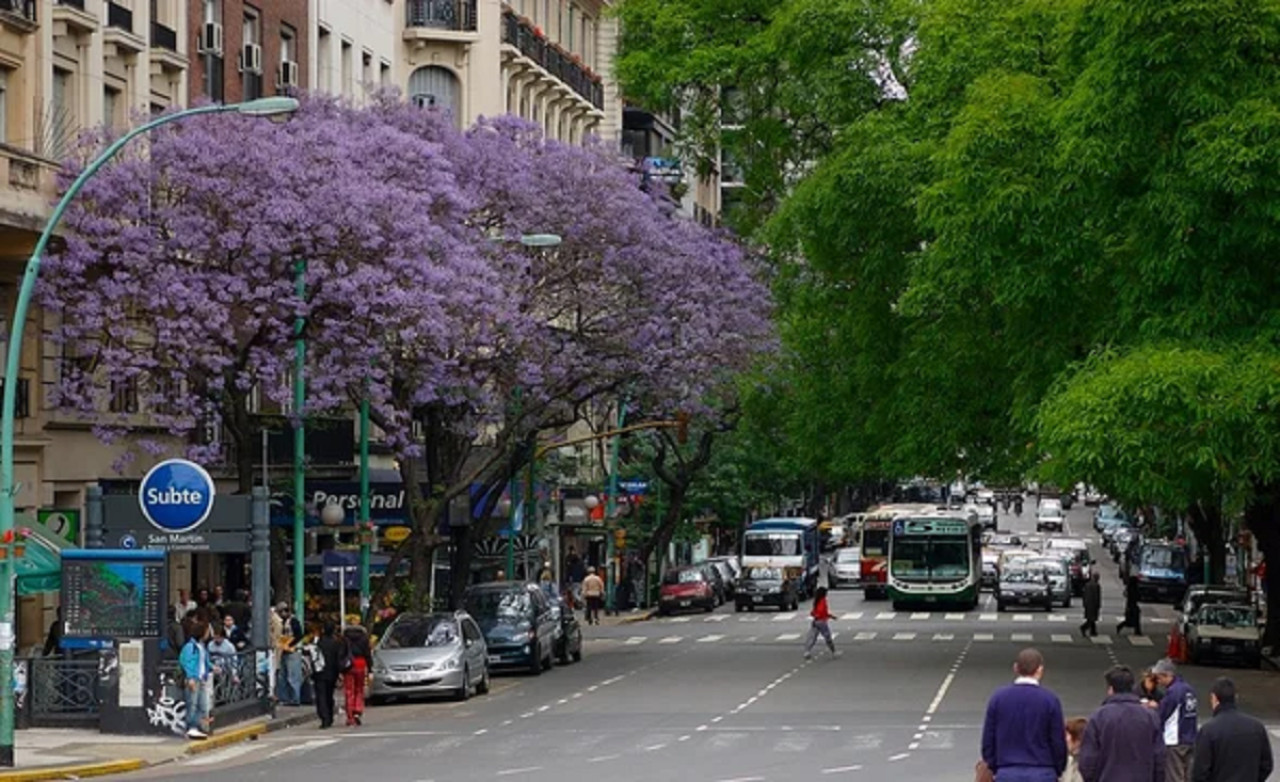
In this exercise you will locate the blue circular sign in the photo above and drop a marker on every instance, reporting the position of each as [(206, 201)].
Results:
[(128, 541), (176, 495)]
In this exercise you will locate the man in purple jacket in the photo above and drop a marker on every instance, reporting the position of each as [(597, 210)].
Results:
[(1023, 737), (1178, 710), (1123, 741)]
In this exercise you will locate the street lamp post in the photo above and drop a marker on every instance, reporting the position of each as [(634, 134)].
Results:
[(366, 528), (263, 107), (299, 451)]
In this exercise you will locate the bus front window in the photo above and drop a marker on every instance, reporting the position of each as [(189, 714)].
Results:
[(949, 557), (875, 542), (910, 560)]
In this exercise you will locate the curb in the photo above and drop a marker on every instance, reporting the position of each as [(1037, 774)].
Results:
[(232, 736), (643, 616), (79, 771)]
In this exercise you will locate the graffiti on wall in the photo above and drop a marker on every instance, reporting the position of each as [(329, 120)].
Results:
[(166, 709)]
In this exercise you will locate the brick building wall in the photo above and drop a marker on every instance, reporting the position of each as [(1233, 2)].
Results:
[(276, 20)]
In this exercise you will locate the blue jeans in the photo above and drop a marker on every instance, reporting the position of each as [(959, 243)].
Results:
[(1026, 774), (291, 678), (197, 701)]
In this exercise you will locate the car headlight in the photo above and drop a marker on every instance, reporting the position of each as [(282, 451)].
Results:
[(451, 664), (379, 668)]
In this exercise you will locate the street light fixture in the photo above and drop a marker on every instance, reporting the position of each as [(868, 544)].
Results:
[(264, 107)]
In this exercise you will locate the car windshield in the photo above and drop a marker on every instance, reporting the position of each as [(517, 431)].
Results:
[(772, 546), (502, 605), (1022, 575), (763, 574), (923, 558), (682, 577), (848, 555), (1227, 616), (1050, 566), (1162, 557), (415, 632), (1070, 544)]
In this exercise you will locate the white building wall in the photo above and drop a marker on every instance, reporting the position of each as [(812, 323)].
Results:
[(353, 45)]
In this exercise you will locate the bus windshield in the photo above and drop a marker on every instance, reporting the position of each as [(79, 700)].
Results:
[(774, 545), (930, 558), (875, 542)]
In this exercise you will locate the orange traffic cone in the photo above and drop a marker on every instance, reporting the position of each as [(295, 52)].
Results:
[(1174, 651)]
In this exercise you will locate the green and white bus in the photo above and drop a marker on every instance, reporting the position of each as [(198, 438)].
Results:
[(935, 559)]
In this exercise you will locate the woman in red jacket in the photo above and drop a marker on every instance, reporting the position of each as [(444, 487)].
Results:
[(821, 614)]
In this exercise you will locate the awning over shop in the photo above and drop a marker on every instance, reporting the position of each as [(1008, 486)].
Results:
[(39, 569)]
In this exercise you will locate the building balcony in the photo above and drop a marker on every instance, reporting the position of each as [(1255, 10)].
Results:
[(527, 41), (19, 15), (164, 50), (26, 188), (440, 20), (119, 33), (70, 17)]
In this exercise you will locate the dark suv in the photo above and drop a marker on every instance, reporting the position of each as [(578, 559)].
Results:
[(519, 627), (1160, 569)]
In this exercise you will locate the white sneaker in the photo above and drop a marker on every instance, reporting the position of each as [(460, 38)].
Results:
[(196, 733), (808, 656), (836, 653)]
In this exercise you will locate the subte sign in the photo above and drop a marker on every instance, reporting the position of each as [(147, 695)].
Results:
[(176, 495)]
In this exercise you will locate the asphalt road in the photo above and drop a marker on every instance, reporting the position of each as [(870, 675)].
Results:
[(728, 697)]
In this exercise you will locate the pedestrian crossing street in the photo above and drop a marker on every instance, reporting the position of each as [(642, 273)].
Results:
[(871, 635), (896, 616)]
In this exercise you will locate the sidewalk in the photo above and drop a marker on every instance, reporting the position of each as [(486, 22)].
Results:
[(69, 753)]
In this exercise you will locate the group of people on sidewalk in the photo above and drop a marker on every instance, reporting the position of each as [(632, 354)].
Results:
[(1148, 735)]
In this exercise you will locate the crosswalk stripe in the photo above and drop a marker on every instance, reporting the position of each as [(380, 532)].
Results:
[(1140, 640), (1021, 637), (748, 619), (852, 616), (716, 618), (1022, 617), (636, 640), (884, 615), (987, 617), (789, 637), (671, 639), (920, 615), (983, 637), (955, 617), (1160, 620), (1057, 618), (865, 636), (904, 636), (679, 619), (943, 636), (709, 639), (787, 617), (1102, 640), (1061, 639)]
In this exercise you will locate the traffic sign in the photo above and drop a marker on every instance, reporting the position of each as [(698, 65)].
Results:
[(176, 495)]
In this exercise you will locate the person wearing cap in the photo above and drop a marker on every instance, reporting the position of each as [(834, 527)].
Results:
[(1178, 718), (1231, 747), (593, 592)]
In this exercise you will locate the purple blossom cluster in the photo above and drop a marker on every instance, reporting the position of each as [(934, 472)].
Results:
[(177, 277)]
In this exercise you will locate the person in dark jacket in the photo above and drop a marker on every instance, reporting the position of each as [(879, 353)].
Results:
[(1132, 611), (1023, 735), (1231, 747), (329, 648), (1092, 605), (1177, 720), (1123, 741)]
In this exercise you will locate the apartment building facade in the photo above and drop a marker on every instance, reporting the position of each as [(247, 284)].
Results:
[(247, 50)]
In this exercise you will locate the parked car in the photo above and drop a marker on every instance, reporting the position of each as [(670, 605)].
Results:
[(766, 586), (847, 568), (1021, 584), (725, 575), (430, 654), (734, 570), (1200, 595), (686, 587), (1108, 515), (1161, 570), (716, 580), (519, 627), (568, 646), (1225, 633), (1055, 569)]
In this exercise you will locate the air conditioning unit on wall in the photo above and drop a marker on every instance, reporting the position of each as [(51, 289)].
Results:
[(251, 58), (211, 39), (288, 75)]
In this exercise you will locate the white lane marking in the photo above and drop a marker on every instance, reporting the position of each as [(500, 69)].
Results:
[(1102, 639), (1021, 637), (904, 636), (709, 639), (744, 779), (787, 617), (988, 617), (1022, 617), (603, 758), (228, 753), (1059, 638), (685, 737), (512, 771), (748, 619), (1057, 618), (483, 731), (852, 616), (543, 708), (716, 618), (679, 619), (654, 747), (864, 636), (983, 637), (789, 637), (671, 639), (914, 745), (899, 756), (636, 640), (1140, 640), (955, 617), (920, 615), (942, 693), (886, 615), (841, 769), (943, 636)]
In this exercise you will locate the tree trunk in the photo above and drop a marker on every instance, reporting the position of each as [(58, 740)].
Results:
[(1262, 516), (660, 540), (1205, 520)]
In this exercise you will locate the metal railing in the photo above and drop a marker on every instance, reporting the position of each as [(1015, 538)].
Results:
[(520, 33), (240, 689), (76, 4), (63, 691), (24, 8), (457, 15), (119, 17), (163, 37)]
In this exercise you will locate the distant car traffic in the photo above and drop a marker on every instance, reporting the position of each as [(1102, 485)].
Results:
[(1059, 578), (846, 570), (1076, 553), (1049, 516), (762, 587), (1022, 584)]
